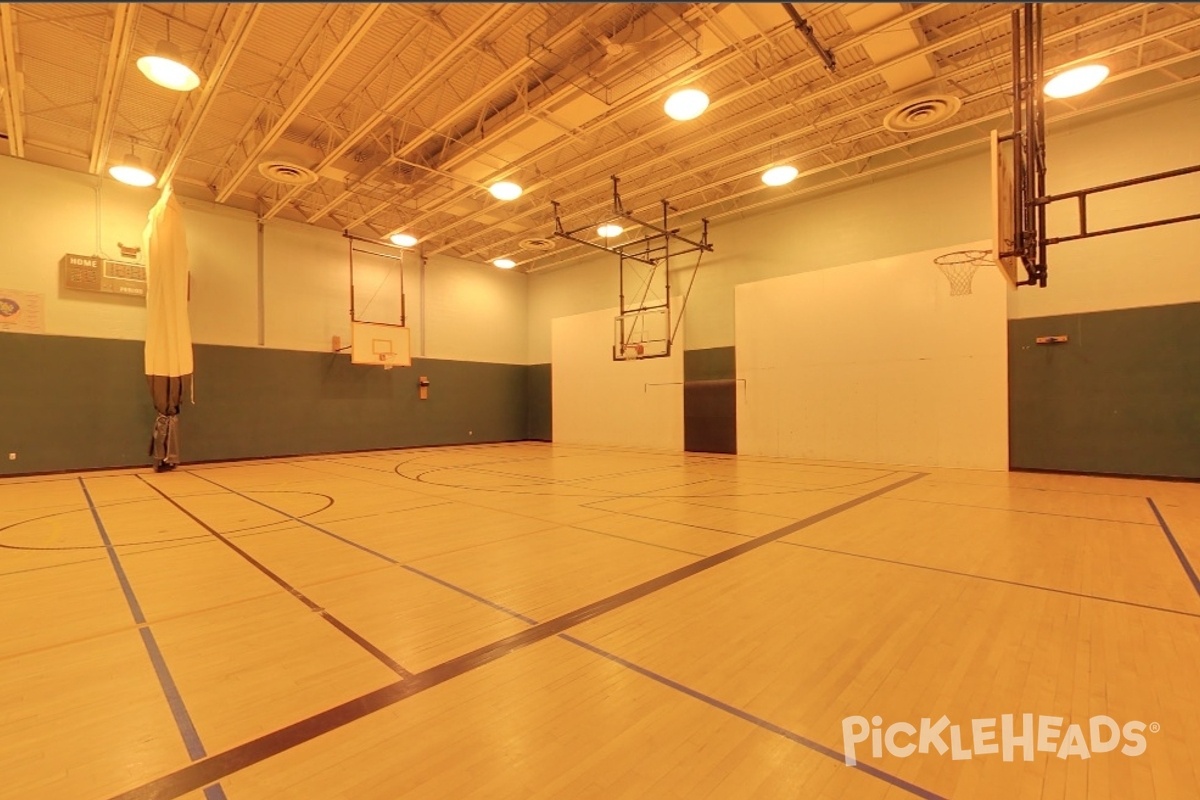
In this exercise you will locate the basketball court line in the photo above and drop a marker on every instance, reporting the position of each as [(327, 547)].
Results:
[(183, 720), (462, 502), (927, 567), (417, 452), (765, 724), (390, 560), (351, 634), (252, 752), (991, 579), (698, 501), (704, 698), (1183, 559), (340, 538), (541, 479)]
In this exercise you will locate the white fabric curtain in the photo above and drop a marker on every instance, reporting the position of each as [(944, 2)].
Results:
[(168, 333)]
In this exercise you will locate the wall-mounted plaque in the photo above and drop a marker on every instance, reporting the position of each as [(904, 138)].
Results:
[(21, 312), (95, 274)]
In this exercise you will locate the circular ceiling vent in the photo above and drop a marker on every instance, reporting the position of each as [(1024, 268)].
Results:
[(923, 112), (537, 244), (286, 172)]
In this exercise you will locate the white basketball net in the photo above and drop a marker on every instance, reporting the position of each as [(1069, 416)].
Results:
[(959, 268)]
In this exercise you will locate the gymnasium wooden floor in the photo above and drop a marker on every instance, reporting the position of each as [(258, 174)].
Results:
[(527, 620)]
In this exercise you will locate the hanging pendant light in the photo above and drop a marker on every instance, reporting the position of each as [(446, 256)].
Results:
[(1076, 81), (686, 104), (165, 66), (130, 171)]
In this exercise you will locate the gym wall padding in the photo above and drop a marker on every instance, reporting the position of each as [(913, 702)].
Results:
[(1121, 396), (709, 401), (540, 425), (80, 403)]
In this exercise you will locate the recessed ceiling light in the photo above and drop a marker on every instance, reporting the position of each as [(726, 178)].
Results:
[(610, 230), (403, 239), (686, 104), (505, 263), (1076, 81), (131, 171), (505, 190), (778, 176), (166, 68)]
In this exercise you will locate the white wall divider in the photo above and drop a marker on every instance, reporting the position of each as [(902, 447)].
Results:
[(875, 362), (602, 402)]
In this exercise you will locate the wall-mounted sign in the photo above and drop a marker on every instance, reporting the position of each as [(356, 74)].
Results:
[(21, 312), (95, 274)]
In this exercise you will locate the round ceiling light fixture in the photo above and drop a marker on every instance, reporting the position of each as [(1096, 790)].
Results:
[(505, 263), (1076, 80), (686, 104), (505, 190), (166, 68), (609, 230), (403, 239), (778, 176), (131, 171)]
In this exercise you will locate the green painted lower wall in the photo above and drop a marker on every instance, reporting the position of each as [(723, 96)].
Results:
[(1121, 396), (80, 403), (540, 413), (709, 364)]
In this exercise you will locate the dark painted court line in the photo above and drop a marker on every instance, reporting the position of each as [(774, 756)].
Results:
[(52, 566), (351, 634), (183, 720), (674, 522), (257, 750), (477, 598), (708, 699), (633, 539), (990, 579), (779, 730), (317, 528), (1182, 556)]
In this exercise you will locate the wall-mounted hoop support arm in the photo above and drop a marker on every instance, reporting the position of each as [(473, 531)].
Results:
[(654, 250), (351, 240), (1081, 196)]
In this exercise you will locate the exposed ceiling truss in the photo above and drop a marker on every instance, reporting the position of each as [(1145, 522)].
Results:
[(399, 115)]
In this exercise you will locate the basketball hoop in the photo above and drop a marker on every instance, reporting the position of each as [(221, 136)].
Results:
[(632, 352), (959, 268)]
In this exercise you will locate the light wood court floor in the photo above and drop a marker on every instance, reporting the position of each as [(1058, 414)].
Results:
[(527, 620)]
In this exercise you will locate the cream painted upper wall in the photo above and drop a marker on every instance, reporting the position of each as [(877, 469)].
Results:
[(473, 311), (1156, 266), (46, 213), (926, 207)]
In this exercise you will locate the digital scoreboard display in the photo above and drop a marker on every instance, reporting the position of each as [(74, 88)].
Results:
[(95, 274)]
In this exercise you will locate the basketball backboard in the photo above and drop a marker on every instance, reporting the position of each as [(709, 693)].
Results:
[(642, 334), (380, 344), (1004, 208)]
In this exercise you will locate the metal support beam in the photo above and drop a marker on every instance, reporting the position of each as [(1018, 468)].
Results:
[(124, 21), (235, 39), (370, 15), (448, 119), (11, 80), (428, 74), (823, 52)]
